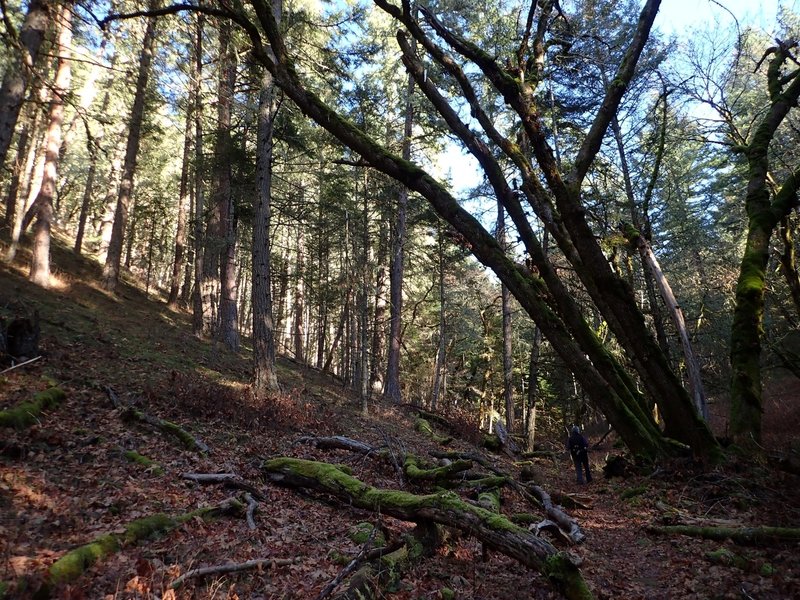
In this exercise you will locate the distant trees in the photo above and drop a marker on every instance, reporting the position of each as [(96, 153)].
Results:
[(340, 240)]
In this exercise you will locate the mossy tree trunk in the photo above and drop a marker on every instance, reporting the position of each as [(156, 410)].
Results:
[(764, 212)]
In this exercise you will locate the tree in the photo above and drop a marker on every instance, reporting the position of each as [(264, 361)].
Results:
[(265, 379), (113, 260), (42, 208)]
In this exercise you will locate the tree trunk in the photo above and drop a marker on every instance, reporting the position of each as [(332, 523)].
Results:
[(265, 379), (763, 215), (439, 362), (508, 382), (378, 327), (198, 312), (19, 71), (113, 260), (391, 387), (183, 196), (42, 207), (228, 316)]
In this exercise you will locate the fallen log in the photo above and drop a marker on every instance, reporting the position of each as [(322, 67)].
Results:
[(424, 426), (445, 508), (738, 535), (27, 413), (338, 442)]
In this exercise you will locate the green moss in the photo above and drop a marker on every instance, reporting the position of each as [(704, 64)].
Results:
[(447, 594), (633, 492), (147, 463), (26, 413), (423, 426), (416, 470), (767, 570), (359, 534), (524, 518), (3, 589), (561, 570), (490, 500), (70, 566)]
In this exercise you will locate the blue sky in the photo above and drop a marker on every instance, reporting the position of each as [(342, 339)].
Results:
[(678, 16)]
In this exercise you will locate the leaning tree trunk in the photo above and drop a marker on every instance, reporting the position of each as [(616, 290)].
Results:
[(113, 260), (42, 207), (20, 71), (265, 378)]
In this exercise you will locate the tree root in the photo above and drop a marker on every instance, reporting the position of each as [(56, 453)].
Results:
[(27, 413)]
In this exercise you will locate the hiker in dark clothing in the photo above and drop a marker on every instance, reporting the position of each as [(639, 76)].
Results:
[(579, 451)]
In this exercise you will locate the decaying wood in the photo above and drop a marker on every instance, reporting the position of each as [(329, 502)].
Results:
[(230, 480), (416, 471), (444, 508), (27, 413), (129, 412), (738, 535), (259, 563), (567, 524)]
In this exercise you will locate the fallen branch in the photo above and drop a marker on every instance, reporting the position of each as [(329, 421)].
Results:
[(252, 505), (415, 471), (258, 563), (738, 535), (27, 413), (444, 508), (22, 364), (565, 523)]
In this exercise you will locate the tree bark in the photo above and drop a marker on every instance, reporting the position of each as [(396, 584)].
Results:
[(113, 260)]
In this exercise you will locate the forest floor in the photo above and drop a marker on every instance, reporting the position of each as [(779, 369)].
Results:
[(67, 479)]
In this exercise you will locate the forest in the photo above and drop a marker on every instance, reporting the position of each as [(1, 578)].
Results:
[(302, 299)]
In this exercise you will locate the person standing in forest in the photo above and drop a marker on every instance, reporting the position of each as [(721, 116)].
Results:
[(578, 448)]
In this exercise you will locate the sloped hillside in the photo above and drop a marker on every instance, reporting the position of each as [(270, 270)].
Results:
[(97, 500)]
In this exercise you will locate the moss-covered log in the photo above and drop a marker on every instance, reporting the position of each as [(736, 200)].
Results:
[(70, 566), (416, 471), (738, 535), (445, 508), (27, 413), (424, 426)]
